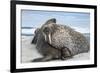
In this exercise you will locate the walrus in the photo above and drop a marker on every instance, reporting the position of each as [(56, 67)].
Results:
[(63, 37)]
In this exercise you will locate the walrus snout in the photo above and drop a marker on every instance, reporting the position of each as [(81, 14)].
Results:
[(47, 34)]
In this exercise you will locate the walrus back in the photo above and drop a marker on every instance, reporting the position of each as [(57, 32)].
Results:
[(65, 36)]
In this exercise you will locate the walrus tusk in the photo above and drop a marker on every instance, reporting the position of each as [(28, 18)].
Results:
[(49, 38), (45, 37)]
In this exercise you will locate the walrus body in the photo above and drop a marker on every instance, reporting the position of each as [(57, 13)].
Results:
[(59, 41), (61, 36)]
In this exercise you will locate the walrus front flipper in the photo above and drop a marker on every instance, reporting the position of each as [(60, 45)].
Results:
[(65, 54), (43, 59)]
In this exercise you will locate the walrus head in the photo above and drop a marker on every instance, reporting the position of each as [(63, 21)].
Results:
[(48, 29)]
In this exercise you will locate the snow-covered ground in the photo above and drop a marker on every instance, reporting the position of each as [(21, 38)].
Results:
[(29, 51)]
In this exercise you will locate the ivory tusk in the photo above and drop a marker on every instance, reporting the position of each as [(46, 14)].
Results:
[(49, 38)]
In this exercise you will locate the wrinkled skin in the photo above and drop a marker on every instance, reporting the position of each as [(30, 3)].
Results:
[(62, 37), (58, 41)]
